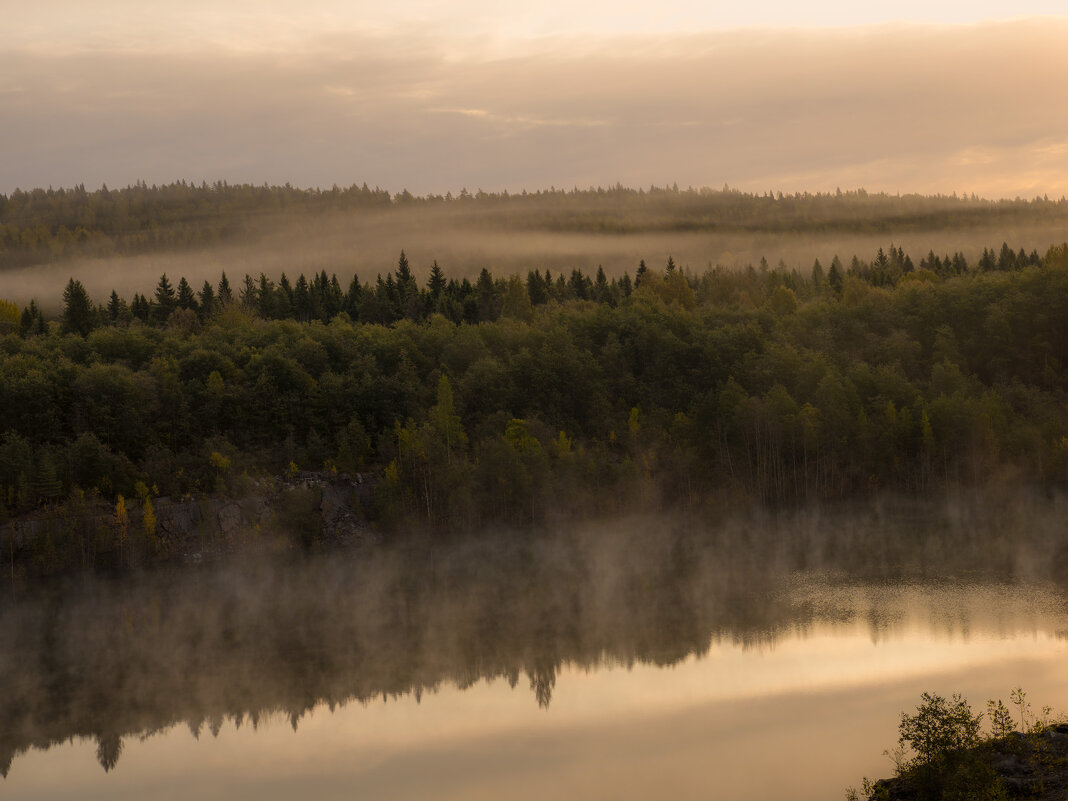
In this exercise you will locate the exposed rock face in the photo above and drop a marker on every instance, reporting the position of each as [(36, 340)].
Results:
[(229, 518), (341, 505), (188, 526)]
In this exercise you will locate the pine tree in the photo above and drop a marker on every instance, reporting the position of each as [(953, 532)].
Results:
[(600, 286), (186, 298), (165, 299), (32, 322), (225, 295), (436, 282), (404, 273), (116, 307), (284, 298), (817, 276), (536, 290), (141, 308), (579, 285), (835, 279), (302, 302), (265, 299), (77, 309), (334, 299), (207, 301), (247, 295), (640, 275), (486, 293)]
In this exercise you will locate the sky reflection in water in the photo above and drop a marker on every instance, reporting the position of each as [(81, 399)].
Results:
[(659, 679)]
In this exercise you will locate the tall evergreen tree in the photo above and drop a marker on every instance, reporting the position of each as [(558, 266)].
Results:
[(835, 279), (486, 295), (165, 299), (352, 298), (247, 294), (536, 288), (302, 301), (600, 287), (284, 298), (77, 309), (436, 282), (817, 276), (207, 301), (265, 297), (226, 295), (640, 275), (186, 298), (116, 308)]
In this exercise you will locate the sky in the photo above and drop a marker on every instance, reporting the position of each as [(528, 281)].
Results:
[(770, 95)]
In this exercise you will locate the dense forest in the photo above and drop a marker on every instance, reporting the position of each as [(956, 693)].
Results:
[(520, 399), (42, 226)]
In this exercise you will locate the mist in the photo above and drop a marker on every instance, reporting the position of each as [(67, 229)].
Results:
[(464, 241), (264, 637)]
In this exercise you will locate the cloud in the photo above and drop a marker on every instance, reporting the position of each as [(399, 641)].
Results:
[(898, 108)]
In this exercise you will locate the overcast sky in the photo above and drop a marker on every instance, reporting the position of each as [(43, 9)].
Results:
[(433, 97)]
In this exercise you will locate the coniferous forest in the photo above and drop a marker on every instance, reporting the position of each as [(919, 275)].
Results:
[(524, 398)]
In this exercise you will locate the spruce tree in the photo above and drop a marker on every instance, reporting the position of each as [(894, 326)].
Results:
[(436, 282), (302, 305), (352, 298), (640, 275), (207, 301), (186, 298), (165, 299), (116, 307), (77, 309), (225, 295)]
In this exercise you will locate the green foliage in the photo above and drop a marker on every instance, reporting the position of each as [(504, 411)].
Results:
[(77, 309), (754, 383), (950, 757), (939, 731), (1001, 724)]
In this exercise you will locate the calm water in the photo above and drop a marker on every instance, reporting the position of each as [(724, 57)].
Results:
[(633, 660)]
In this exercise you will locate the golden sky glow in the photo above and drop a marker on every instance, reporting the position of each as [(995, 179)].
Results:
[(909, 96)]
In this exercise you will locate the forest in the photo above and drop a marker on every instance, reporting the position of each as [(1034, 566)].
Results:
[(525, 399), (43, 226)]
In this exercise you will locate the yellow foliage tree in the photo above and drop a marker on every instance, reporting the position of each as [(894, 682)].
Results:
[(122, 524), (9, 317)]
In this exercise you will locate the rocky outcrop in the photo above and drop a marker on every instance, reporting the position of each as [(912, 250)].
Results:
[(1032, 766), (189, 527)]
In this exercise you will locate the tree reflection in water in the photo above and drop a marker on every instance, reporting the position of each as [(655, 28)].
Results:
[(109, 658)]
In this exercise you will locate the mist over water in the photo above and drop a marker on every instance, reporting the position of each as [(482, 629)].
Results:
[(655, 649)]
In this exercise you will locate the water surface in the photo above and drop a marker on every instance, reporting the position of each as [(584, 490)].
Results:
[(621, 661)]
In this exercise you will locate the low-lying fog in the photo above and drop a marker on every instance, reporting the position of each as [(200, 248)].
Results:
[(368, 244)]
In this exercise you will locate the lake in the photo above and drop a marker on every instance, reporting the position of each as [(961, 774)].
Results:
[(642, 658)]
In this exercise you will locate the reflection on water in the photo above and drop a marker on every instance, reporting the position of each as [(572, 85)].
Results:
[(495, 657)]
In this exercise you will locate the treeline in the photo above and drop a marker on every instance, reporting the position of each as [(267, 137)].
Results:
[(50, 225), (760, 384), (44, 225), (399, 296)]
